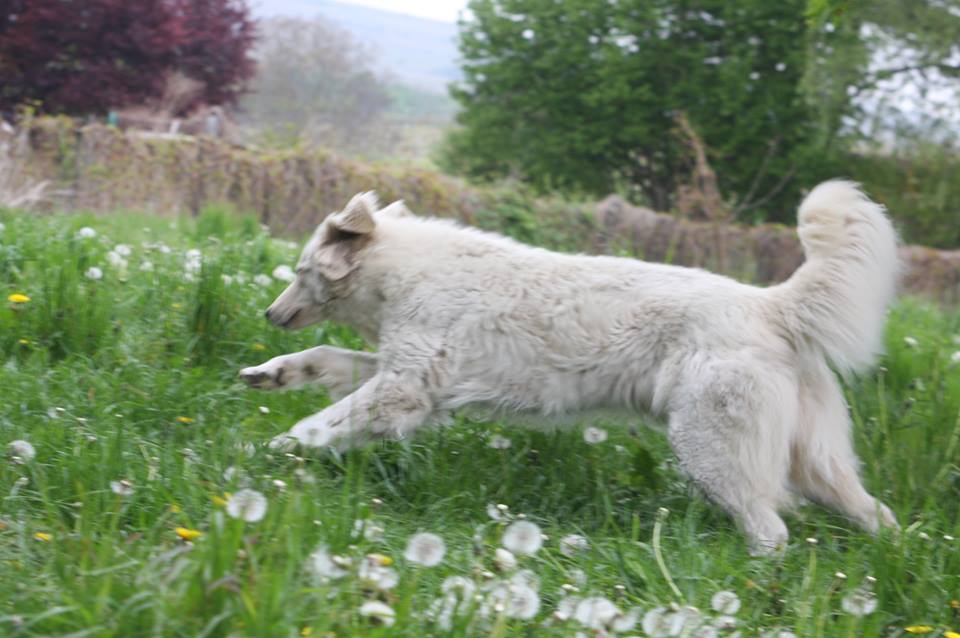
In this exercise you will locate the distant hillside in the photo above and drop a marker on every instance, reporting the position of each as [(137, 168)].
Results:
[(415, 51)]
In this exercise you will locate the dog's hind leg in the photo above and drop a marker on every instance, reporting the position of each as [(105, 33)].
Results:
[(341, 371), (729, 427), (824, 465)]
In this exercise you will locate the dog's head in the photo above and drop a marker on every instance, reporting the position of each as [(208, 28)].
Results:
[(328, 260)]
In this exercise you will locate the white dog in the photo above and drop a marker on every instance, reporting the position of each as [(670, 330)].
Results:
[(742, 374)]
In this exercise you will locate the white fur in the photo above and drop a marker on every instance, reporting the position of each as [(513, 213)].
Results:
[(467, 318)]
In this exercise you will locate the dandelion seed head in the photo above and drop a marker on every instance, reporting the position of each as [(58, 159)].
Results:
[(459, 586), (86, 233), (93, 273), (248, 505), (504, 560), (368, 529), (659, 622), (513, 601), (725, 622), (594, 435), (21, 451), (573, 544), (910, 342), (725, 602), (498, 442), (325, 566), (262, 280), (377, 611), (425, 549), (123, 487), (376, 576), (522, 537), (860, 602), (123, 250), (595, 612), (284, 273)]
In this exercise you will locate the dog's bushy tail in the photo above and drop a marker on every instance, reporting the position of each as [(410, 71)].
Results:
[(836, 301)]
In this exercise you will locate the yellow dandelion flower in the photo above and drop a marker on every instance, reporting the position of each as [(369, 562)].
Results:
[(43, 536), (258, 347), (18, 297), (951, 634), (175, 509), (185, 420), (188, 534), (23, 342), (219, 501), (380, 559), (955, 604), (918, 629), (176, 306), (306, 631)]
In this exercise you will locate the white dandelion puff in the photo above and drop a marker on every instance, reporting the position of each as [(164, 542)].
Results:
[(367, 529), (660, 623), (93, 273), (284, 273), (123, 250), (522, 537), (116, 260), (86, 233), (425, 549), (498, 442), (146, 266), (955, 358), (248, 505), (860, 602), (263, 280), (595, 612), (379, 612), (513, 601), (326, 566), (910, 342), (594, 435), (573, 544), (375, 575), (625, 621), (123, 487), (566, 608), (504, 560), (725, 622), (21, 451), (264, 409), (497, 512), (725, 602)]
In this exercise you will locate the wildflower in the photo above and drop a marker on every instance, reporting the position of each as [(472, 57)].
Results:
[(284, 273), (859, 602), (918, 629), (380, 559), (279, 484), (185, 420), (259, 347), (910, 342), (220, 501), (21, 451), (23, 342), (659, 623), (93, 273), (372, 574), (146, 265), (513, 601), (625, 621), (725, 602), (43, 537), (18, 297), (706, 631), (368, 529), (188, 534), (458, 585), (326, 566), (248, 505), (498, 442), (116, 260), (123, 487), (86, 233), (595, 612), (522, 537), (951, 634), (264, 409), (812, 541), (955, 358), (262, 280), (379, 612), (226, 279), (122, 249), (425, 549), (497, 512), (725, 622), (504, 560), (573, 544), (594, 435)]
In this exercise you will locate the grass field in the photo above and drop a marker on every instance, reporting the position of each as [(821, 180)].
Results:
[(116, 520)]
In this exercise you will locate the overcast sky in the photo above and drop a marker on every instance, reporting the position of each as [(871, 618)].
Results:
[(445, 10)]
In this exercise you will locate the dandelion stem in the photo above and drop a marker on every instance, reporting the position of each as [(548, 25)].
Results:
[(658, 554)]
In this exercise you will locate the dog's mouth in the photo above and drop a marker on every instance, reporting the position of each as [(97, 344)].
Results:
[(285, 321)]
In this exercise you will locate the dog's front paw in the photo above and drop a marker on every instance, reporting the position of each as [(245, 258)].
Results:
[(271, 375)]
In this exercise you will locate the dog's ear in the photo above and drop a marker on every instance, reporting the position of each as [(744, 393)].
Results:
[(344, 234), (396, 209)]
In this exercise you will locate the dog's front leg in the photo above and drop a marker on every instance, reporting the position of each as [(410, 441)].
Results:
[(387, 405), (341, 371)]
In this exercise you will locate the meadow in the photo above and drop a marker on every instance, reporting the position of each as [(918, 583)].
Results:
[(132, 464)]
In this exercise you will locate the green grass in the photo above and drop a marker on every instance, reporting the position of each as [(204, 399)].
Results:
[(96, 374)]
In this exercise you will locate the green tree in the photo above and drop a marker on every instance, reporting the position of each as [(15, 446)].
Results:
[(582, 96)]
